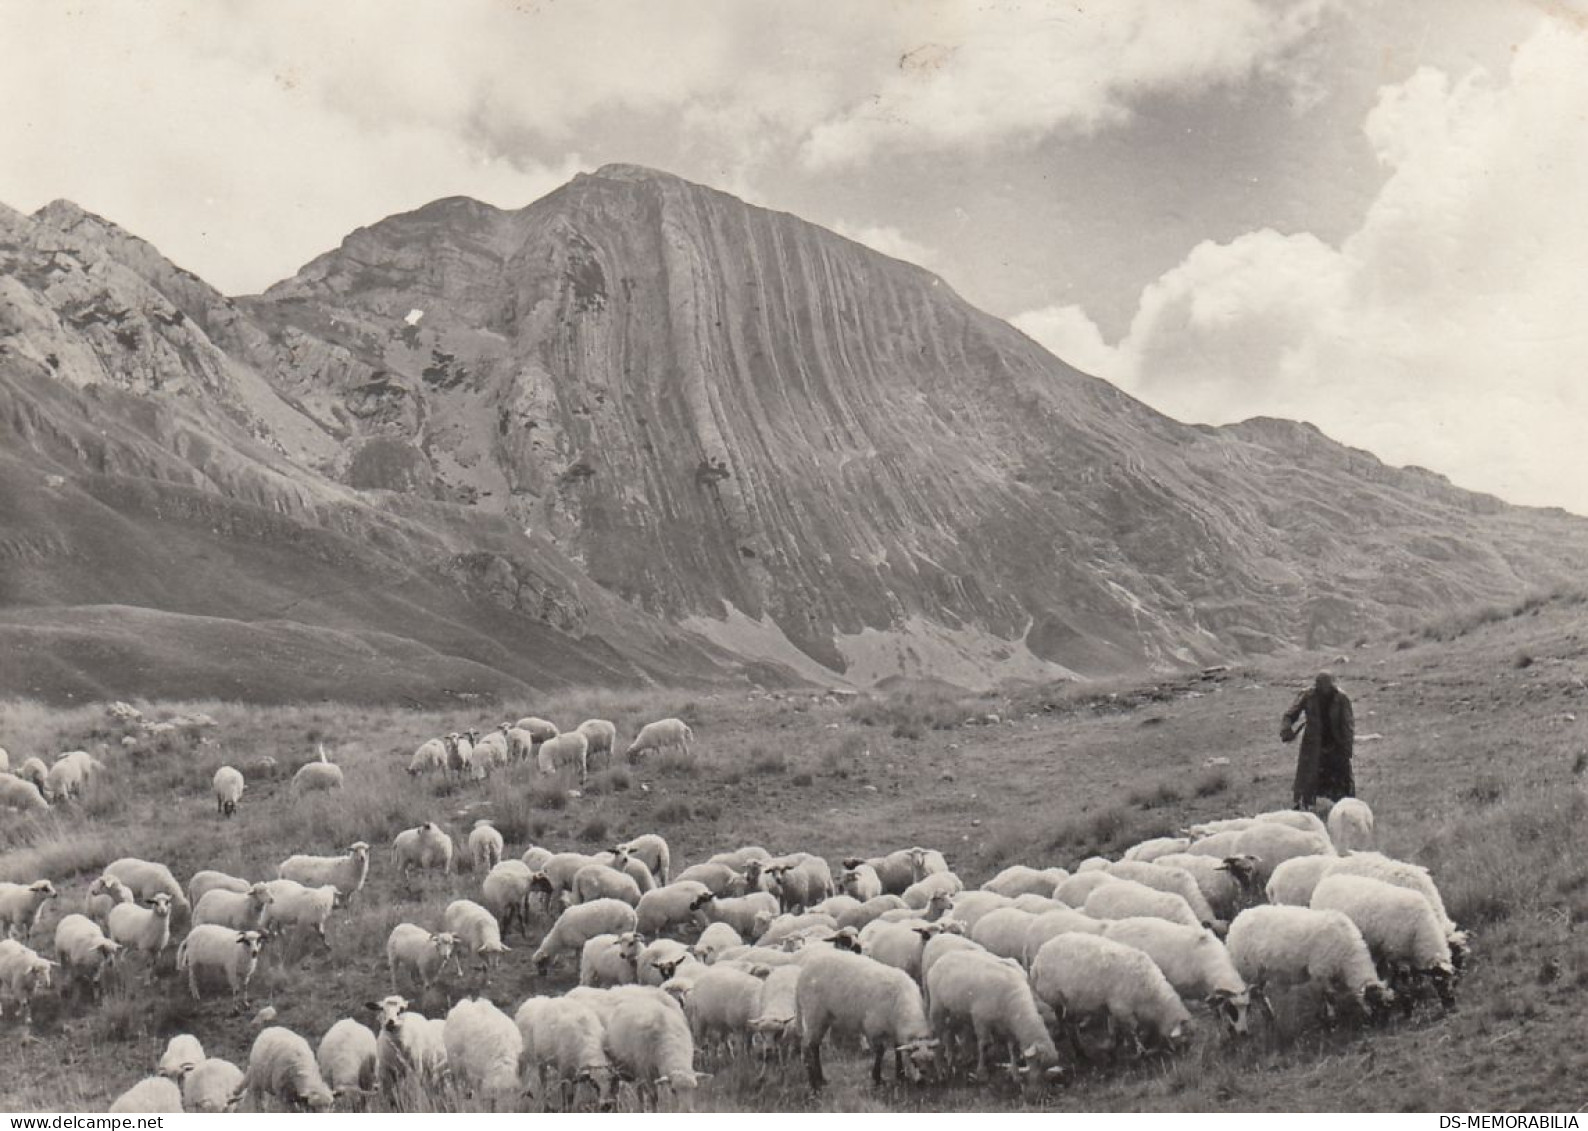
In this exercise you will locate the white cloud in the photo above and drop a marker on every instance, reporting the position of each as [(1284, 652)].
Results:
[(1068, 332), (1447, 331), (890, 241)]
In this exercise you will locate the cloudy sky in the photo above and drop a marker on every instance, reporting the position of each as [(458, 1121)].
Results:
[(1367, 214)]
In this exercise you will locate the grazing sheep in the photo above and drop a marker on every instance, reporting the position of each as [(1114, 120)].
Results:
[(422, 953), (83, 951), (870, 910), (212, 1086), (476, 930), (407, 1043), (611, 959), (1402, 933), (777, 1023), (601, 736), (659, 736), (345, 873), (993, 999), (565, 1036), (19, 793), (1213, 828), (739, 859), (1299, 819), (208, 881), (293, 905), (535, 857), (21, 905), (1083, 976), (485, 845), (920, 893), (281, 1064), (1219, 844), (859, 995), (431, 755), (492, 751), (713, 940), (505, 894), (234, 953), (1273, 842), (424, 847), (1218, 886), (228, 785), (347, 1059), (1076, 890), (182, 1054), (146, 929), (1297, 945), (1037, 904), (896, 870), (1194, 961), (597, 881), (1351, 825), (568, 751), (1018, 879), (149, 1095), (1166, 877), (1293, 881), (539, 729), (674, 905), (65, 779), (1413, 876), (578, 925), (144, 878), (860, 880), (969, 906), (785, 927), (483, 1047), (750, 916), (1149, 850), (721, 879), (1003, 932), (1053, 923), (836, 905), (562, 867), (944, 942), (241, 911), (652, 849), (34, 772), (720, 1004), (315, 776), (520, 743), (23, 973), (660, 959), (1126, 899), (649, 1041)]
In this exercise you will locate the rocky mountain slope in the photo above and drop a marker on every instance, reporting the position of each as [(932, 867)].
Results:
[(640, 428)]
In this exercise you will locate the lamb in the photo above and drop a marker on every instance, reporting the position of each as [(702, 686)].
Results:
[(149, 1095), (485, 845), (1351, 825), (1018, 879), (1149, 850), (1003, 932), (228, 785), (145, 877), (483, 1047), (1273, 843), (601, 737), (1413, 876), (23, 973), (1297, 945), (146, 929), (21, 905), (1400, 928), (674, 905), (721, 879), (83, 951), (713, 940), (920, 893), (212, 1086), (1294, 880), (1218, 886), (568, 751), (993, 999), (426, 846), (18, 793), (653, 850), (859, 995), (183, 1053), (868, 911), (207, 881), (1082, 976), (1076, 890), (235, 953), (597, 881), (1165, 877), (578, 925), (313, 777), (611, 959), (720, 1005), (1126, 899), (281, 1064), (421, 953), (860, 880), (566, 1036), (407, 1043), (65, 779), (241, 911), (1053, 923), (476, 930), (431, 755), (659, 736), (505, 894), (649, 1040), (346, 873), (1193, 959)]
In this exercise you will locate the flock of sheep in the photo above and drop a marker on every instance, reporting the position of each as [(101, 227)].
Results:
[(754, 956)]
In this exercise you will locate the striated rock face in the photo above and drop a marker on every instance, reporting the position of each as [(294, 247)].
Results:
[(641, 428)]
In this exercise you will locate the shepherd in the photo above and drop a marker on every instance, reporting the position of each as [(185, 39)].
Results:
[(1323, 764)]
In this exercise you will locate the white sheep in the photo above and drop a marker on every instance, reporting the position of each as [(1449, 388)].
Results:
[(1003, 932), (993, 1000), (1053, 923), (424, 847), (739, 858), (1402, 933), (777, 1023), (895, 870), (1076, 890), (871, 909), (212, 1086), (23, 973), (460, 754), (146, 929), (721, 879), (241, 911), (1212, 828), (1223, 892), (716, 938), (346, 873), (65, 779), (1273, 842), (1082, 977), (520, 743), (860, 880), (1406, 875), (796, 926), (313, 777), (539, 729), (535, 857), (34, 771), (597, 881), (610, 959), (1222, 843), (19, 793), (649, 1040), (207, 881), (565, 1036), (485, 845), (749, 915), (431, 756), (567, 752), (84, 951), (21, 905), (1166, 877), (483, 1047), (858, 995), (1034, 904), (1020, 879), (561, 868), (926, 862), (1126, 899), (422, 954), (652, 849), (968, 907), (1193, 959), (293, 905), (407, 1044), (5, 759), (601, 736), (182, 1054), (673, 905), (1294, 880), (228, 785), (505, 894), (578, 925), (234, 953), (149, 1095), (476, 930), (720, 1004), (1297, 945), (659, 736), (1351, 825), (1299, 819), (281, 1065), (492, 751), (1149, 850), (920, 893), (144, 878)]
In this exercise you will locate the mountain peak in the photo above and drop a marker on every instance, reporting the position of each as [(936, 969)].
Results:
[(622, 171)]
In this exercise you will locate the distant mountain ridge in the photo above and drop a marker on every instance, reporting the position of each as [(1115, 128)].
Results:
[(664, 434)]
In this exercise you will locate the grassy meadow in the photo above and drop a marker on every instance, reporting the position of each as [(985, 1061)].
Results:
[(1473, 748)]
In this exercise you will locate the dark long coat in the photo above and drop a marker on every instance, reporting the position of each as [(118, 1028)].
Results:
[(1323, 763)]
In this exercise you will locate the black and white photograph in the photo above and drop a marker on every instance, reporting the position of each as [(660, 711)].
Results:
[(916, 556)]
